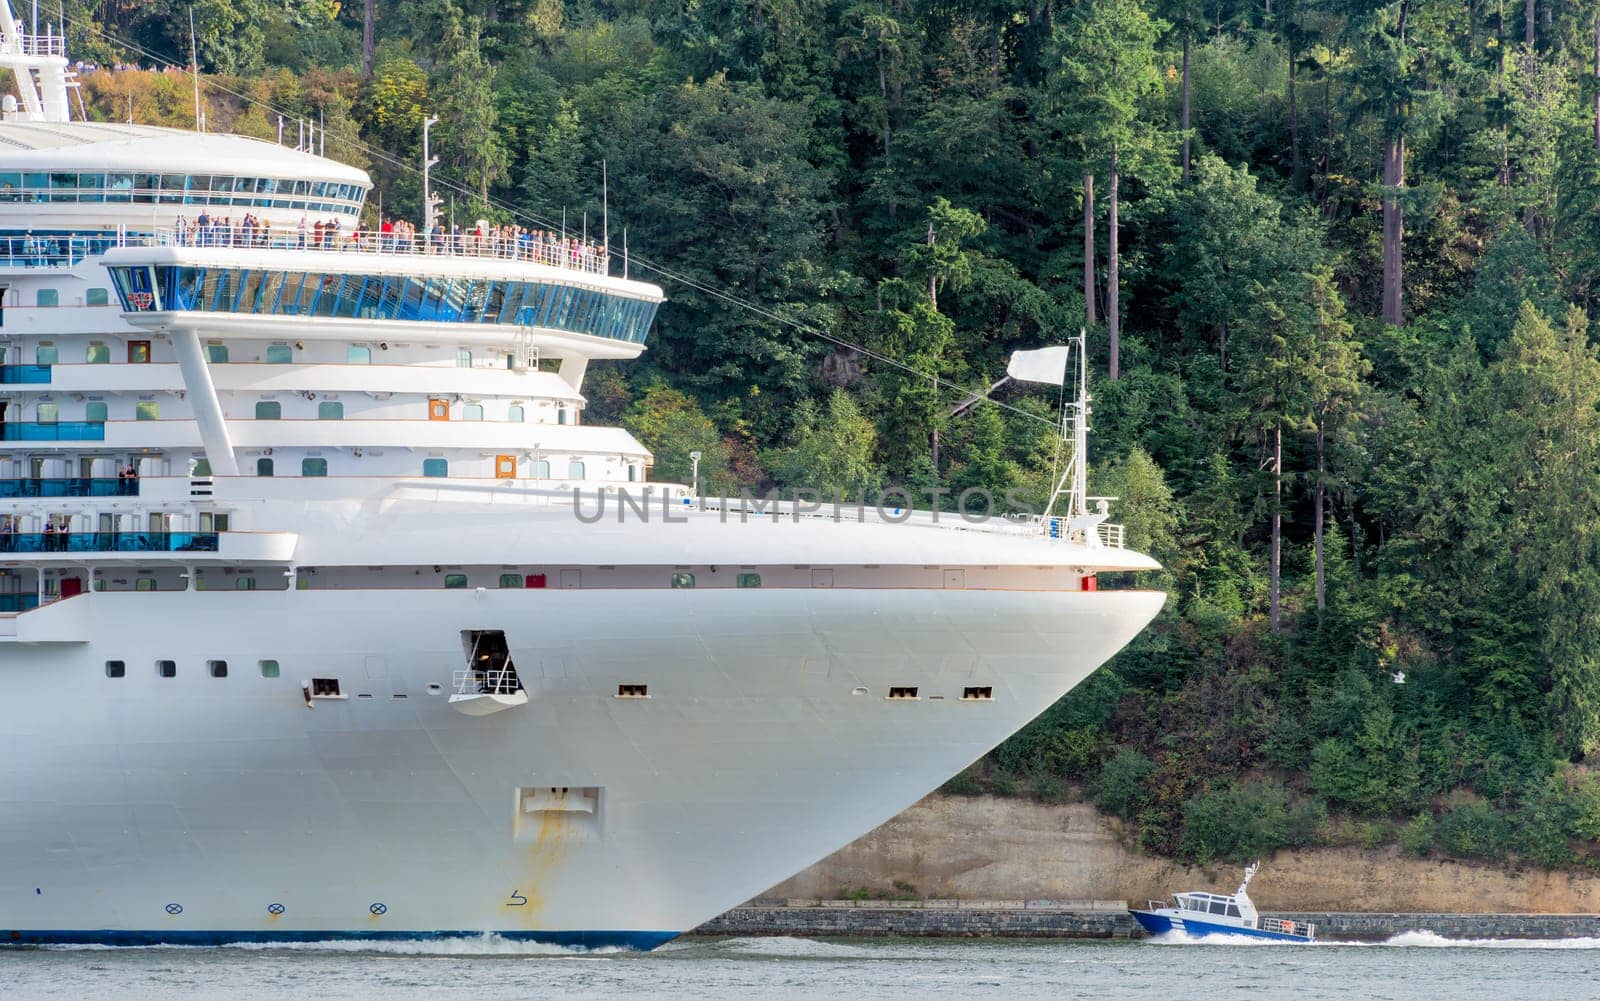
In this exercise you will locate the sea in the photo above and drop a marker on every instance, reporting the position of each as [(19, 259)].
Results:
[(1415, 966)]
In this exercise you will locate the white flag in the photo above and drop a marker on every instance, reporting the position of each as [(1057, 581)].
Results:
[(1043, 365)]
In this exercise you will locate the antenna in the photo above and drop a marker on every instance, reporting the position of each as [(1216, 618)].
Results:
[(194, 62), (430, 204)]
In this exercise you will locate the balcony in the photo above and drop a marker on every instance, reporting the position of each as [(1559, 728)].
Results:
[(108, 542), (74, 487), (53, 431), (24, 374), (18, 602)]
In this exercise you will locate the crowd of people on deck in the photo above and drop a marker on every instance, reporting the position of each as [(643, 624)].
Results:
[(399, 237)]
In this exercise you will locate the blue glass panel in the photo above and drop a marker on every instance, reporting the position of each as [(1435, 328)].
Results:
[(105, 542), (25, 374), (70, 488), (60, 431)]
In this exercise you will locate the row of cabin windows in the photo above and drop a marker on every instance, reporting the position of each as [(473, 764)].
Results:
[(277, 354), (97, 353), (91, 297), (538, 470), (439, 410), (686, 580), (169, 668), (272, 410), (679, 580), (95, 413)]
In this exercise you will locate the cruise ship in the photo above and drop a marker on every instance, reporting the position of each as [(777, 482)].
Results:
[(325, 615)]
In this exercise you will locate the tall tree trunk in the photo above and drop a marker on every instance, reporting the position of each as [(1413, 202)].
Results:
[(1597, 82), (1322, 438), (1528, 12), (1088, 246), (1113, 307), (1294, 120), (1394, 178), (1274, 610), (1183, 122), (1505, 122), (369, 27)]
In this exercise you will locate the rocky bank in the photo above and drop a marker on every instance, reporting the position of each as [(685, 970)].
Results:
[(990, 848)]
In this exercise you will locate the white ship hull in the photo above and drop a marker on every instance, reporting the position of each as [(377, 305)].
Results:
[(199, 809)]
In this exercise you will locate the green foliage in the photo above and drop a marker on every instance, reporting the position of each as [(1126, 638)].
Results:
[(1120, 787), (1246, 820), (1474, 829), (1338, 503), (1418, 835), (671, 424)]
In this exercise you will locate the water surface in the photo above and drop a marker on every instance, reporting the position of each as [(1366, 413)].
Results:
[(1409, 967)]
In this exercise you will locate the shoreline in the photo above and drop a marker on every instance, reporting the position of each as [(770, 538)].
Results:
[(1097, 919)]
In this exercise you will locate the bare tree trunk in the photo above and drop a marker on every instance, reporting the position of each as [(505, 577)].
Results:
[(1183, 122), (1528, 12), (1294, 120), (1113, 306), (1088, 246), (1322, 438), (1394, 178), (1274, 610), (1505, 124), (369, 27)]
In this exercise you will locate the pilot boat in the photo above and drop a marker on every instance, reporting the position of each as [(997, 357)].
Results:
[(1201, 914)]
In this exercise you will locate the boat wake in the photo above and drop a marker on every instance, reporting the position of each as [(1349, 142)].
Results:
[(1423, 939), (1176, 937), (488, 944), (1418, 939)]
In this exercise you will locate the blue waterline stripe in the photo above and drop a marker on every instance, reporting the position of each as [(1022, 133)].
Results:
[(641, 941)]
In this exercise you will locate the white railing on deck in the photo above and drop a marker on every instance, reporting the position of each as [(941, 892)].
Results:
[(550, 250), (41, 45), (470, 682), (1285, 926)]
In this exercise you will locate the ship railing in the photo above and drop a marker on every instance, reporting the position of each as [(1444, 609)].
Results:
[(473, 681), (108, 542), (76, 486), (39, 45), (1288, 926), (569, 253)]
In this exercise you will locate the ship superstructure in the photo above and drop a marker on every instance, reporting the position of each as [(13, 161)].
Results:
[(304, 634)]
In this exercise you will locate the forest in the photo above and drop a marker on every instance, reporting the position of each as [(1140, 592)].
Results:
[(1337, 259)]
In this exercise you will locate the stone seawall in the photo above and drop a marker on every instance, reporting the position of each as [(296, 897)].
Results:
[(1098, 919)]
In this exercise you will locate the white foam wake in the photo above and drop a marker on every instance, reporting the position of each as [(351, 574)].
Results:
[(1424, 939), (488, 944)]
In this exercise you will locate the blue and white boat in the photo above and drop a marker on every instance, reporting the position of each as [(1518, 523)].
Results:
[(1202, 914)]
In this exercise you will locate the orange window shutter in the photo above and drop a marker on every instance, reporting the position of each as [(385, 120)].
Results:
[(505, 467)]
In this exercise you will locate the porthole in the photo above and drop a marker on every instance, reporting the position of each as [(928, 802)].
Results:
[(217, 668), (116, 669), (269, 668), (633, 691), (167, 668), (978, 693), (902, 692)]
